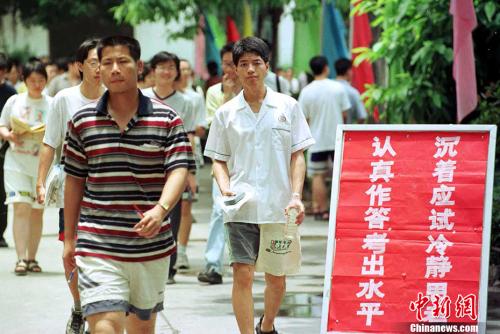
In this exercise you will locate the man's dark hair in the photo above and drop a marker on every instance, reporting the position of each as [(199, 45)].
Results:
[(62, 64), (342, 66), (318, 64), (226, 48), (163, 57), (145, 71), (131, 43), (3, 61), (83, 50), (250, 45), (13, 62), (34, 67), (213, 68)]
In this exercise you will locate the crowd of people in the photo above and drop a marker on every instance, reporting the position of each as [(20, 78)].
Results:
[(127, 138)]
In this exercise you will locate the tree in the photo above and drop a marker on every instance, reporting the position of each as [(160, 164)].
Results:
[(49, 12), (137, 11), (416, 43)]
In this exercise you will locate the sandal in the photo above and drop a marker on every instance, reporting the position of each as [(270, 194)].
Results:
[(21, 268), (33, 266), (322, 216)]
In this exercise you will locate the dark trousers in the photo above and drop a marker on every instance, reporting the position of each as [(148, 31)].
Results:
[(3, 207), (175, 222)]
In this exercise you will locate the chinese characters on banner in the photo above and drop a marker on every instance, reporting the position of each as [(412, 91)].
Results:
[(408, 230)]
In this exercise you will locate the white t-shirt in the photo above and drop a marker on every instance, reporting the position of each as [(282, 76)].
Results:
[(215, 98), (357, 110), (24, 158), (200, 115), (64, 105), (257, 149), (180, 103), (270, 81), (323, 102)]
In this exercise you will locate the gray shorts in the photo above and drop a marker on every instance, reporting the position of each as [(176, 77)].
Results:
[(243, 240)]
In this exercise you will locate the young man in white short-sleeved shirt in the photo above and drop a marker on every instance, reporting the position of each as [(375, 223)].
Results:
[(64, 106), (325, 104), (256, 142)]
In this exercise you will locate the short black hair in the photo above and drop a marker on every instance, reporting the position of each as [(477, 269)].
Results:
[(83, 50), (145, 71), (3, 61), (318, 64), (13, 62), (34, 67), (226, 48), (164, 56), (131, 43), (62, 63), (342, 66), (213, 68), (253, 45)]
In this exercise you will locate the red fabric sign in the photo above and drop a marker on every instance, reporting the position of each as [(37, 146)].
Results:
[(409, 221)]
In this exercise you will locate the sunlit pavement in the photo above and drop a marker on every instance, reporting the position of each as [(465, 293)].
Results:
[(40, 303)]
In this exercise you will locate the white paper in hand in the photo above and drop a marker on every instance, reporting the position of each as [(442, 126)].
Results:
[(231, 204), (54, 187)]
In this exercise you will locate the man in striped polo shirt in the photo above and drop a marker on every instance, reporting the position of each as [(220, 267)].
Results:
[(126, 158)]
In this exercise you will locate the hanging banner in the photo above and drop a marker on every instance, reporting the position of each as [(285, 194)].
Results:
[(409, 236)]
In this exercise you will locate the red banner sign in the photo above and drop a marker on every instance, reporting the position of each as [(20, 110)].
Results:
[(408, 231)]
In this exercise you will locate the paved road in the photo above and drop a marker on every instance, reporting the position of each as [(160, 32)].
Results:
[(40, 303)]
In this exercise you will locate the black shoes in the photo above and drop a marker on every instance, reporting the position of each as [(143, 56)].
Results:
[(3, 243), (259, 331), (210, 276)]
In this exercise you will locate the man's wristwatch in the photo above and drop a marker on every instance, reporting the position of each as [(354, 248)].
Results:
[(165, 206), (296, 195)]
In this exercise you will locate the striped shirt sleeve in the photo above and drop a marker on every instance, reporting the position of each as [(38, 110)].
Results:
[(178, 151), (75, 158)]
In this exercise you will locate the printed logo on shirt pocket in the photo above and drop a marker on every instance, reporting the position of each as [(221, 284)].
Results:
[(152, 146)]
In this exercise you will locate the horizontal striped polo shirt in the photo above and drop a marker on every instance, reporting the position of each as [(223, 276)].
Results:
[(125, 173)]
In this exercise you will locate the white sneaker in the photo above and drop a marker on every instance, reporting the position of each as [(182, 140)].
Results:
[(182, 262)]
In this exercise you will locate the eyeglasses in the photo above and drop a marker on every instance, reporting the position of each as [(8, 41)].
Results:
[(93, 63)]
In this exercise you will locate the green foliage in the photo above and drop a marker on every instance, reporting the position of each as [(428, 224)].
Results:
[(21, 54), (48, 12), (416, 43), (489, 113), (137, 11)]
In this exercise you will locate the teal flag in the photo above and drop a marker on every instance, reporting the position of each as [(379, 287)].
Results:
[(211, 49), (334, 41)]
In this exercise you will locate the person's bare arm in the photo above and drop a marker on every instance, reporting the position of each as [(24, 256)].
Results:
[(46, 157), (298, 172), (9, 135), (73, 195), (150, 224), (221, 174)]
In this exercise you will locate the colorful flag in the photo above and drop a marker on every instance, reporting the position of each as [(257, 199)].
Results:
[(334, 37), (217, 30), (200, 68), (231, 30), (362, 37), (247, 20), (307, 42), (211, 48), (464, 70)]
